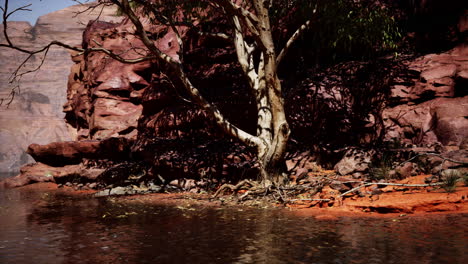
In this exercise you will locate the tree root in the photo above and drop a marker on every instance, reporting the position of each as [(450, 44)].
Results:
[(271, 192), (289, 193), (234, 188)]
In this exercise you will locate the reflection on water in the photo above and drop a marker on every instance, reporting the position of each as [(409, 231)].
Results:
[(51, 228)]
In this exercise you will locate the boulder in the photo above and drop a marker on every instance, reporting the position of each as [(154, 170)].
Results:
[(339, 186), (439, 120), (406, 170), (439, 72), (450, 122), (354, 160), (72, 152), (39, 172)]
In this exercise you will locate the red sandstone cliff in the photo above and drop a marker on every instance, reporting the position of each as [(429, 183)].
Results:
[(421, 102), (35, 115)]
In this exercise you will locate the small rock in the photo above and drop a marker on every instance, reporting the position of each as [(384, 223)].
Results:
[(102, 193), (339, 186), (92, 185), (59, 185), (188, 184), (357, 175), (118, 191), (301, 173), (375, 190), (174, 183), (354, 160), (237, 159), (80, 185), (68, 184), (381, 186), (431, 179), (202, 183), (405, 170), (153, 187)]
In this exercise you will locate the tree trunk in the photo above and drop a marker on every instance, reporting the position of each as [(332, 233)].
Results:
[(270, 99)]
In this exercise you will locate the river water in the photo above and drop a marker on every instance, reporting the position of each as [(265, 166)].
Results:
[(48, 227)]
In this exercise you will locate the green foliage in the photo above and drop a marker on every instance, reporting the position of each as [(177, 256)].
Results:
[(450, 178), (381, 168), (340, 28), (343, 29)]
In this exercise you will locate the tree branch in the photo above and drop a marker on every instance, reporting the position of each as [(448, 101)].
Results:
[(177, 70), (6, 15), (239, 11), (250, 20), (291, 41), (244, 54)]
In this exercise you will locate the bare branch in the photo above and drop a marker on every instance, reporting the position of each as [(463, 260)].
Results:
[(6, 15), (391, 184), (177, 70), (140, 31), (250, 20), (244, 54), (179, 39), (433, 154), (46, 48), (239, 11), (291, 41), (17, 76), (23, 8)]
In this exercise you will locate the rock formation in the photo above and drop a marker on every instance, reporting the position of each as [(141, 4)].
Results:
[(35, 115), (415, 102), (429, 104)]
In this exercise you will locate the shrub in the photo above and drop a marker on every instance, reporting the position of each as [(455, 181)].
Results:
[(450, 179), (381, 169)]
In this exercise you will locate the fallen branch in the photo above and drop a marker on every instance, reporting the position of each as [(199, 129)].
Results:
[(391, 184), (433, 154), (318, 200)]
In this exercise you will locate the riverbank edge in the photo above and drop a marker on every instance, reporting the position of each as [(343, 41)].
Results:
[(392, 203)]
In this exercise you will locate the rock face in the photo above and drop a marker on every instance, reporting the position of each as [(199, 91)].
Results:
[(35, 115), (107, 98), (415, 102), (418, 101), (430, 102), (104, 95)]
